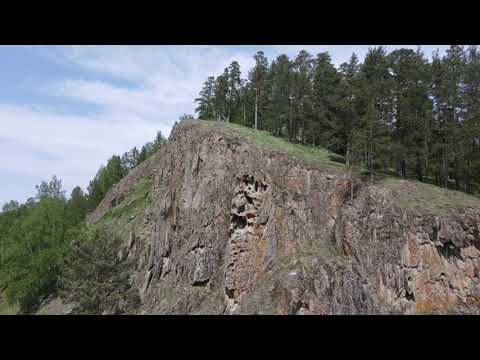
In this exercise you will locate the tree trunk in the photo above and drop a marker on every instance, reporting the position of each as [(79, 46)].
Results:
[(371, 166), (425, 150), (419, 167), (347, 156), (444, 174), (466, 180), (290, 124), (370, 155), (256, 111), (351, 188), (398, 168), (244, 121), (404, 168)]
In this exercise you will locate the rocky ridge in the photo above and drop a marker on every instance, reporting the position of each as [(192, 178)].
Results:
[(235, 227)]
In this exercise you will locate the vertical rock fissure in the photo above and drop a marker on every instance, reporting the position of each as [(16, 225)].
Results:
[(244, 233)]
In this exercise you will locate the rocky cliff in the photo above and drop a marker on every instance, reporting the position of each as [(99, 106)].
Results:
[(226, 220)]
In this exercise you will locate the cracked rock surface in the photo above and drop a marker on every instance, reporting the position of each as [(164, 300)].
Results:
[(234, 228)]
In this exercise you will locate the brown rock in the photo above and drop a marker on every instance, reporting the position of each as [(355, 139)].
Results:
[(237, 228)]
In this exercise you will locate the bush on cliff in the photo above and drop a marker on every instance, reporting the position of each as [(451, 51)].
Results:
[(96, 275)]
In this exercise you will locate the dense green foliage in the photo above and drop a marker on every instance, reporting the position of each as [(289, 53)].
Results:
[(36, 237), (397, 112), (96, 275), (117, 167)]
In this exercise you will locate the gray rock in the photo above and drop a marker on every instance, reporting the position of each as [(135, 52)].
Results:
[(242, 229)]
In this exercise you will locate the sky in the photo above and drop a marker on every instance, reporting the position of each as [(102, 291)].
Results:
[(65, 110)]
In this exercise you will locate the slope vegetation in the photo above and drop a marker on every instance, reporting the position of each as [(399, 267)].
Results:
[(228, 220)]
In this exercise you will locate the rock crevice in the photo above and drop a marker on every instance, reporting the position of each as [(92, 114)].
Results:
[(234, 228)]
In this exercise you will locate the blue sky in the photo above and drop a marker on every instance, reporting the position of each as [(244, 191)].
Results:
[(64, 110)]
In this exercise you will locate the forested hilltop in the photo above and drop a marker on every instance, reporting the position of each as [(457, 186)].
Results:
[(396, 113)]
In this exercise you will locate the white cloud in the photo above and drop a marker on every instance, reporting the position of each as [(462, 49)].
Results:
[(166, 79), (158, 84), (41, 143), (136, 91)]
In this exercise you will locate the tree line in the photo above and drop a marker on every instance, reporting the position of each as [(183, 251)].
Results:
[(396, 113), (36, 237), (119, 166)]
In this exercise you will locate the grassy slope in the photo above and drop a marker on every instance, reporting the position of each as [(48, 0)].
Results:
[(408, 194), (418, 197), (128, 215), (309, 155), (426, 199), (6, 309)]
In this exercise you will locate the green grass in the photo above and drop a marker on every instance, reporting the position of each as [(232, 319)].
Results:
[(6, 309), (426, 199), (309, 155), (419, 197), (138, 198), (130, 211)]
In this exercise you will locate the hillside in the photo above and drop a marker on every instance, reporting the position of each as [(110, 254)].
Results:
[(228, 220)]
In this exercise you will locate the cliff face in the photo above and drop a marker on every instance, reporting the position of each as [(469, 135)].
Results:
[(230, 226), (413, 263)]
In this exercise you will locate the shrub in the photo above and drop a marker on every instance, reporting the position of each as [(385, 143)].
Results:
[(96, 279)]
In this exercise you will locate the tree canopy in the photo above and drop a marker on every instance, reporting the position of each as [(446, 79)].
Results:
[(395, 113), (37, 237)]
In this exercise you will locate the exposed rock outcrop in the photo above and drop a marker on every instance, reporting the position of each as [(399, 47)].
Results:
[(235, 228), (415, 264)]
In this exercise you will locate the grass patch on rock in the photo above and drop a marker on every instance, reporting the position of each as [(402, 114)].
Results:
[(426, 199), (130, 212), (309, 155)]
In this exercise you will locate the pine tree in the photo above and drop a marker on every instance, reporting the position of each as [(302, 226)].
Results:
[(247, 103), (301, 93), (371, 139), (206, 100), (470, 126), (409, 107), (447, 74), (96, 278), (374, 87), (52, 189), (77, 205), (279, 108), (233, 93), (347, 118), (348, 114), (258, 77), (159, 141), (326, 91), (221, 91)]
